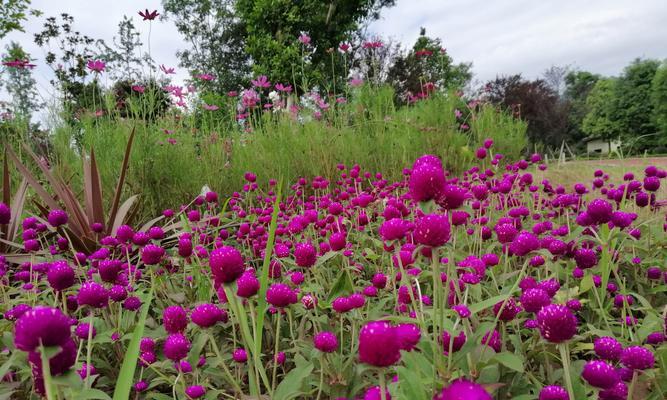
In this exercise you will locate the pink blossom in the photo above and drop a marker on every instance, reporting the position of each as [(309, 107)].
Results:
[(96, 65), (167, 70), (261, 82), (305, 39)]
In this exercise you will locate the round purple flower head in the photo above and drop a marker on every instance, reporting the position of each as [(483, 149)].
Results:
[(393, 229), (45, 325), (457, 343), (247, 285), (152, 254), (57, 218), (379, 344), (176, 347), (305, 254), (534, 299), (207, 315), (427, 179), (326, 342), (175, 319), (195, 391), (5, 214), (93, 294), (60, 275), (637, 357), (463, 390), (408, 336), (83, 330), (600, 374), (608, 348), (432, 230), (58, 364), (618, 392), (280, 295), (524, 243), (240, 356), (599, 211), (557, 323), (553, 392), (226, 264)]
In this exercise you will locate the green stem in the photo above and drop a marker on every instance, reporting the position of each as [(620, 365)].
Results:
[(565, 359), (383, 386), (275, 352), (46, 371)]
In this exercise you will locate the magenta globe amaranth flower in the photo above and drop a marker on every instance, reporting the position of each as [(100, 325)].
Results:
[(93, 294), (152, 254), (207, 315), (326, 342), (607, 348), (176, 347), (600, 374), (175, 319), (226, 264), (195, 391), (427, 179), (534, 299), (463, 390), (41, 325), (556, 323), (305, 254), (432, 230), (247, 285), (240, 356), (5, 214), (379, 344), (524, 243), (394, 229), (57, 218), (637, 357), (408, 336), (599, 211), (60, 275), (553, 392), (280, 295)]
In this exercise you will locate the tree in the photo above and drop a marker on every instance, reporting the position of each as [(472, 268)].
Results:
[(634, 111), (12, 15), (125, 60), (555, 77), (536, 103), (274, 27), (217, 39), (601, 119), (659, 101), (578, 84), (427, 62), (19, 82)]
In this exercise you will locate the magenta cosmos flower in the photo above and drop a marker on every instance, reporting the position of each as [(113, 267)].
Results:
[(226, 264), (463, 390), (557, 323), (379, 344)]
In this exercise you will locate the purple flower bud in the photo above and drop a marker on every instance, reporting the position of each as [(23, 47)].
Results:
[(325, 342)]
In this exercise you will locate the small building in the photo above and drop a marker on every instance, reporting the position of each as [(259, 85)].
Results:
[(598, 145)]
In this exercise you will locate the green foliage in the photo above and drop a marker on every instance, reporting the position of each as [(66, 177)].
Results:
[(601, 121), (427, 62), (274, 27), (217, 41), (634, 107), (12, 15), (578, 84), (149, 105), (659, 102), (19, 82)]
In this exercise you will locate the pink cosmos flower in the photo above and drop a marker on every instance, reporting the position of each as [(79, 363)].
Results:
[(283, 88), (304, 39), (138, 88), (344, 47), (206, 77), (167, 70), (96, 65), (148, 15), (210, 107), (261, 82)]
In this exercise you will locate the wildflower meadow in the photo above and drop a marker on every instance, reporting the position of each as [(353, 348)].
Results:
[(290, 240)]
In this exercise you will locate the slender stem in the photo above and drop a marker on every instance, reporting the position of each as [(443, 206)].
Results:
[(225, 368), (565, 359), (46, 371), (632, 385), (275, 352), (89, 350), (383, 386)]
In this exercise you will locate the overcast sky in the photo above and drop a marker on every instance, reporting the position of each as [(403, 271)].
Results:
[(497, 36)]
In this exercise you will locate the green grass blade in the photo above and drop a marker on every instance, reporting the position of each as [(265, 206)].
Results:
[(126, 376)]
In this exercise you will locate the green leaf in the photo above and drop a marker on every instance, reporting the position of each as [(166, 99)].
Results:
[(93, 394), (586, 284), (409, 385), (483, 305), (342, 286), (129, 365), (291, 385), (510, 360)]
